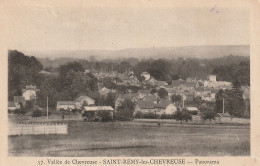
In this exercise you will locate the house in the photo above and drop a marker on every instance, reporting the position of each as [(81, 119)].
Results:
[(151, 98), (144, 107), (148, 106), (104, 91), (206, 94), (188, 96), (246, 92), (212, 78), (193, 110), (29, 93), (11, 106), (84, 101), (171, 90), (217, 84), (176, 83), (190, 79), (164, 107), (146, 75), (151, 81), (223, 117), (95, 109), (160, 83), (142, 93), (190, 86), (18, 101), (66, 105)]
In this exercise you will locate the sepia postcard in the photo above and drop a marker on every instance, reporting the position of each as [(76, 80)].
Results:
[(121, 82)]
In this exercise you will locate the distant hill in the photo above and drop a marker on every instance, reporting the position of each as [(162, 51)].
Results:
[(204, 52)]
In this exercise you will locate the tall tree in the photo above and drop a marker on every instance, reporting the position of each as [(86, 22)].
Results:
[(235, 102), (219, 101), (125, 110), (162, 93)]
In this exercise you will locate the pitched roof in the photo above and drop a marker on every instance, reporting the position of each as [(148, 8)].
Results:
[(149, 98), (145, 104), (104, 90), (224, 114), (190, 84), (192, 108), (66, 102), (144, 91), (30, 87), (177, 82), (160, 83), (82, 98), (162, 104), (98, 108), (127, 96), (145, 72)]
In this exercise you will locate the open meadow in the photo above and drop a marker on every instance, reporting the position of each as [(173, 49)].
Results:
[(87, 139)]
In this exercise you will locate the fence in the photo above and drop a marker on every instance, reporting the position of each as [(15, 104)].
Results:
[(37, 128)]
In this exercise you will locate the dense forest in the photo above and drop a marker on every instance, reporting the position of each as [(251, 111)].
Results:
[(22, 71), (228, 68)]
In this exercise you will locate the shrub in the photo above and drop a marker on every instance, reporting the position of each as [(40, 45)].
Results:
[(105, 116), (125, 110), (182, 115), (138, 115), (89, 115), (37, 113), (167, 116), (151, 115), (17, 111)]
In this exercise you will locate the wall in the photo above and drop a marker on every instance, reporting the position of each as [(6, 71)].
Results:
[(37, 128)]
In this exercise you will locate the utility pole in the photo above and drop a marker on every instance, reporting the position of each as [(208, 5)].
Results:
[(47, 108), (223, 105), (182, 101)]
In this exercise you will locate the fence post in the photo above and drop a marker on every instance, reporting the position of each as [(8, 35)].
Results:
[(55, 128), (33, 129), (21, 129), (43, 128)]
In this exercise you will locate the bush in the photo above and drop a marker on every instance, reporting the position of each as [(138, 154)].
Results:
[(17, 111), (105, 116), (182, 115), (37, 113), (89, 115), (167, 116), (125, 110), (151, 115)]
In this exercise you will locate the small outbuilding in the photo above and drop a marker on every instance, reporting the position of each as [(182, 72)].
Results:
[(66, 105), (193, 110), (223, 117)]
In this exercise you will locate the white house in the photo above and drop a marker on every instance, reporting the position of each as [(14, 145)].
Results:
[(146, 75), (29, 93), (170, 109), (84, 101), (11, 106), (193, 110), (66, 105), (212, 78)]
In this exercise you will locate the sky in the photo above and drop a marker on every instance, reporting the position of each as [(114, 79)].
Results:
[(45, 27)]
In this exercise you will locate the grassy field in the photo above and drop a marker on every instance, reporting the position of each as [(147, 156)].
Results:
[(135, 139)]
